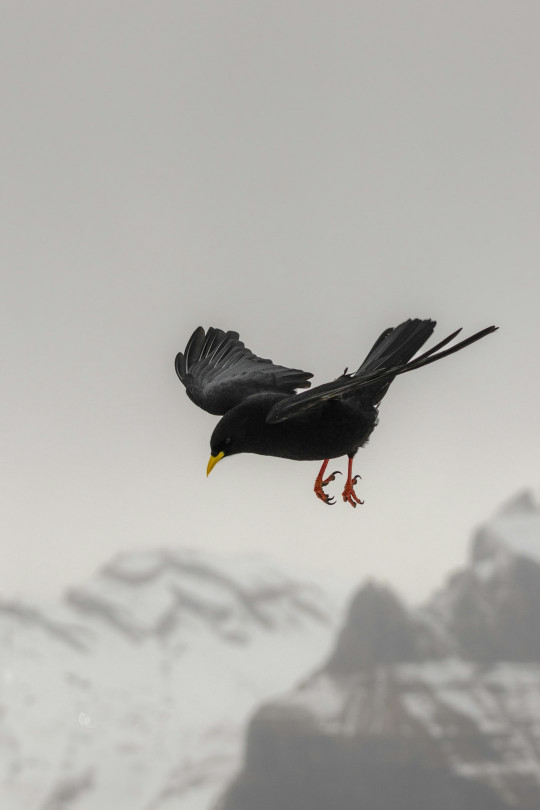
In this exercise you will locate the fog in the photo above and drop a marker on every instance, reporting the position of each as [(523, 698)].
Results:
[(308, 176)]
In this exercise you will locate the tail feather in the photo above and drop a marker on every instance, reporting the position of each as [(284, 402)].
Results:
[(385, 361), (430, 357), (376, 381), (394, 348)]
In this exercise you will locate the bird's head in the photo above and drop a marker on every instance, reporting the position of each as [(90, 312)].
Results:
[(243, 429), (226, 440)]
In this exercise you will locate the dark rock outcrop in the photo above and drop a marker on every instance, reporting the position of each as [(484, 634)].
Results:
[(378, 631)]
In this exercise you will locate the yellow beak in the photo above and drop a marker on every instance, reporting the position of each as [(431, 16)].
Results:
[(213, 461)]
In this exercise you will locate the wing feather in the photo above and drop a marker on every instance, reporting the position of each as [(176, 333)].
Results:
[(218, 371)]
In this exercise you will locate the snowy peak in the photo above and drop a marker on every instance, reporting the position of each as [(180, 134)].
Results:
[(490, 608), (133, 691), (516, 526), (166, 593), (522, 503), (495, 618), (20, 623)]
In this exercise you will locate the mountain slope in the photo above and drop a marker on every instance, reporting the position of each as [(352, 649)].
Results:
[(432, 707), (132, 693)]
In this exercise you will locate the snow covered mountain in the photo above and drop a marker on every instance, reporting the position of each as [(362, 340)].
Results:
[(132, 693), (436, 707)]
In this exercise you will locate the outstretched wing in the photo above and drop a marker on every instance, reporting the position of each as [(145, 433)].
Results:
[(348, 384), (219, 372)]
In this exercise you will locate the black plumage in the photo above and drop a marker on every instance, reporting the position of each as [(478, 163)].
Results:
[(261, 413), (219, 372)]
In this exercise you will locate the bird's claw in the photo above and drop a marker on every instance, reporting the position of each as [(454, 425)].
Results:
[(323, 496), (318, 488), (349, 495)]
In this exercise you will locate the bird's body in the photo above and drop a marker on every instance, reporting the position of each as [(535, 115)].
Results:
[(261, 413), (339, 428)]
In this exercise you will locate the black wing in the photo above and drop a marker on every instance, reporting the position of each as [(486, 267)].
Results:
[(365, 377), (219, 372)]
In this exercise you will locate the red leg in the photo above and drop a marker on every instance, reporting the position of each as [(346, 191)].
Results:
[(321, 482), (349, 495)]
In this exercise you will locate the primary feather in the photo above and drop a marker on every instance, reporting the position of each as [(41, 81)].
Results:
[(219, 372)]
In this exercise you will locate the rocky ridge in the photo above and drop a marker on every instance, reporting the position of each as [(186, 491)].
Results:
[(437, 706)]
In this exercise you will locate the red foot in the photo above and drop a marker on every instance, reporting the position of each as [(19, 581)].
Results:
[(321, 482), (349, 495)]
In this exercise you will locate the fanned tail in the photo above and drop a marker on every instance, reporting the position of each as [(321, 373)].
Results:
[(393, 349), (389, 357)]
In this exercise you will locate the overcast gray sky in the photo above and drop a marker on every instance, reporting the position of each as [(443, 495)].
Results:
[(307, 173)]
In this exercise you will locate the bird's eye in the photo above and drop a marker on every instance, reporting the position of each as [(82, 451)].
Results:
[(227, 441)]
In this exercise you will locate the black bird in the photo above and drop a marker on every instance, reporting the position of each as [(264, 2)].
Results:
[(261, 413)]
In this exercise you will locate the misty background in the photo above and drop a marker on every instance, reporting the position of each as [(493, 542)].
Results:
[(307, 174)]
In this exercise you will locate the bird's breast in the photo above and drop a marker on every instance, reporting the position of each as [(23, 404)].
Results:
[(334, 431)]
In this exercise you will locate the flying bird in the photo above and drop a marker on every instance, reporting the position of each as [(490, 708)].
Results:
[(262, 413)]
